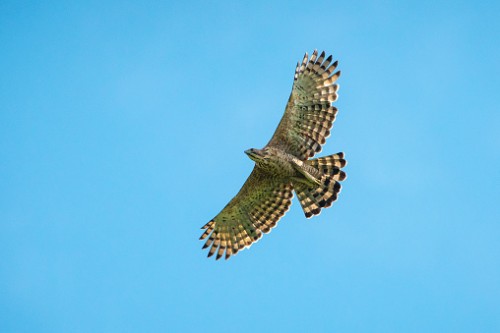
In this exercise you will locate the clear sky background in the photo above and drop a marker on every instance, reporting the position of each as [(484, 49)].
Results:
[(122, 131)]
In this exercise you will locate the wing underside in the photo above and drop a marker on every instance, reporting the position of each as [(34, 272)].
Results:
[(309, 113), (254, 211)]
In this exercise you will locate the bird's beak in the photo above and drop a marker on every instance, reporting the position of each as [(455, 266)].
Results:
[(252, 153)]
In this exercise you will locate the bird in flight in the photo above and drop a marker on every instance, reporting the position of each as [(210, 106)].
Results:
[(284, 164)]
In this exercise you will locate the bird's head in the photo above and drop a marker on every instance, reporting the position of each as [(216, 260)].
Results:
[(260, 156)]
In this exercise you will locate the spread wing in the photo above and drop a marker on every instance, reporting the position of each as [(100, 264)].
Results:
[(255, 210), (309, 114)]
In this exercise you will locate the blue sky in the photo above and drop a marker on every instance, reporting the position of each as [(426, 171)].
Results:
[(122, 131)]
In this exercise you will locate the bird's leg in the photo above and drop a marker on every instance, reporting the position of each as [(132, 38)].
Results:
[(307, 176)]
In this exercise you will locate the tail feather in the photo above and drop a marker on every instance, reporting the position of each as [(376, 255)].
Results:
[(327, 162), (314, 197)]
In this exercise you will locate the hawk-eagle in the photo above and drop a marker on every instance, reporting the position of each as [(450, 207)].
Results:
[(283, 165)]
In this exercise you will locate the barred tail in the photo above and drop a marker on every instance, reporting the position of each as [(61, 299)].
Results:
[(313, 197)]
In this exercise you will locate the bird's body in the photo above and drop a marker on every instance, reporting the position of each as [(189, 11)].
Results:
[(284, 164), (279, 164), (275, 162)]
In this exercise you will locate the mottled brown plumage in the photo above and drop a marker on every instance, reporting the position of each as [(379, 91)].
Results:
[(283, 166)]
